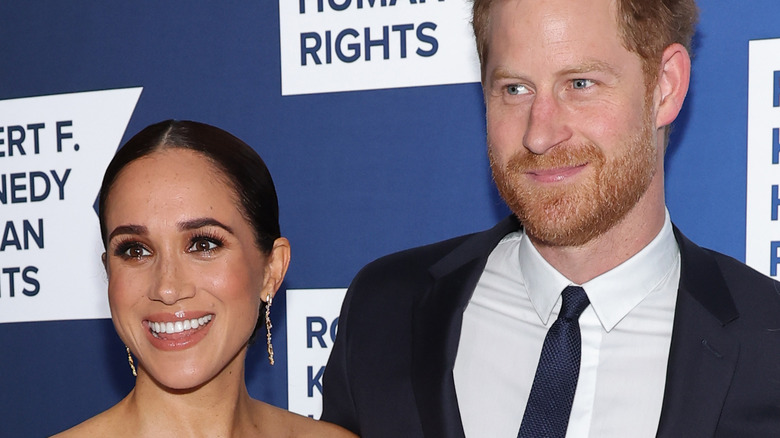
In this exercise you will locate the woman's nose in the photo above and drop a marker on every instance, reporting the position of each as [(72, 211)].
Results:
[(171, 283)]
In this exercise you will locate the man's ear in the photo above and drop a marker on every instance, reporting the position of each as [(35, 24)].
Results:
[(276, 267), (103, 259), (673, 79)]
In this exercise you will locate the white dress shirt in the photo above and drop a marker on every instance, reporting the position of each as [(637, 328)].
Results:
[(626, 333)]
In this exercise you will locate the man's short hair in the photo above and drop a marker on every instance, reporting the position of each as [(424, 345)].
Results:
[(647, 28)]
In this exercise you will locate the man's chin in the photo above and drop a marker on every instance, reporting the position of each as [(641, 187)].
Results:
[(559, 229)]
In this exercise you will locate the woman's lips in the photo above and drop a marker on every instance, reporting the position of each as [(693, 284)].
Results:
[(168, 332), (173, 327)]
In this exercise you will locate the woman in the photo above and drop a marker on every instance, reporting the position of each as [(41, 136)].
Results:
[(194, 256)]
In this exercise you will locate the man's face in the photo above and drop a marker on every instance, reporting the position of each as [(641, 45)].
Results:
[(571, 133)]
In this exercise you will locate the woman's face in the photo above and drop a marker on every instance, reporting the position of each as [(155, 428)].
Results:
[(185, 275)]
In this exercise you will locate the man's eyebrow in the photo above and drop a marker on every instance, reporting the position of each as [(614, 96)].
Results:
[(503, 73), (585, 67), (194, 224), (590, 66), (128, 229)]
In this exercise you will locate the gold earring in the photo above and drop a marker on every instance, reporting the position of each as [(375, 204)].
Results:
[(130, 361), (268, 328)]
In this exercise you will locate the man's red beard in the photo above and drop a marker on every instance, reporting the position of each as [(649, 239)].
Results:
[(574, 213)]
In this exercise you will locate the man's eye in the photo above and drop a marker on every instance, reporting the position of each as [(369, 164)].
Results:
[(516, 89), (581, 83)]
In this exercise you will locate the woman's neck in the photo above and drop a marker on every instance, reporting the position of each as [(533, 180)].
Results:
[(219, 407)]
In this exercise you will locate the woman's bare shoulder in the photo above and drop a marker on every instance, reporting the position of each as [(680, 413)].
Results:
[(290, 424), (104, 424)]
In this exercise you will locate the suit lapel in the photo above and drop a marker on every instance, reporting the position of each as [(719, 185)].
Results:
[(436, 329), (702, 358), (703, 352)]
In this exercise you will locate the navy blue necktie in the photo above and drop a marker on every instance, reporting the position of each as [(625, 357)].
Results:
[(549, 405)]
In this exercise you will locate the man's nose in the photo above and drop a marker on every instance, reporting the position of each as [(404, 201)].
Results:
[(547, 125)]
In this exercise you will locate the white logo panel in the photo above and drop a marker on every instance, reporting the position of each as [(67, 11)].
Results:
[(762, 240), (345, 45), (53, 152), (312, 323)]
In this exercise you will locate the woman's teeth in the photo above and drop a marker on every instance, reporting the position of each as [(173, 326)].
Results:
[(178, 326)]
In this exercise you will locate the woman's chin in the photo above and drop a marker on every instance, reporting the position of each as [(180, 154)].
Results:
[(181, 381)]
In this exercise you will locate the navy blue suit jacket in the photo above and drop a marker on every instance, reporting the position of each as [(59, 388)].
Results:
[(390, 372)]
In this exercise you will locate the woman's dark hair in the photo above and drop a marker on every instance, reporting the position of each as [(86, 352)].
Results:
[(244, 170)]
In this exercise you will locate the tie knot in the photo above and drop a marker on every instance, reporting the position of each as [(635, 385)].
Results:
[(574, 302)]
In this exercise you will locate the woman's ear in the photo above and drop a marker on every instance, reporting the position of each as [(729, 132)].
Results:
[(278, 260)]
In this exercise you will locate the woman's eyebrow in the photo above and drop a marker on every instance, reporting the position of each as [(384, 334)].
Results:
[(194, 224), (128, 229)]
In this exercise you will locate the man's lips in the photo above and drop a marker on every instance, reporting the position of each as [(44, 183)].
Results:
[(556, 174)]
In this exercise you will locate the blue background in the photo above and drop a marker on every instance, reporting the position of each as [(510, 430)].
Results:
[(359, 174)]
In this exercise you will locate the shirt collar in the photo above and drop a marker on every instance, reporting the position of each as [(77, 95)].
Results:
[(612, 294)]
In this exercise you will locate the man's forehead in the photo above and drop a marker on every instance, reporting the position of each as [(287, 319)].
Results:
[(516, 11), (529, 23)]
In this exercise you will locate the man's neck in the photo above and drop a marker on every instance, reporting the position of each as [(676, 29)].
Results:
[(603, 253)]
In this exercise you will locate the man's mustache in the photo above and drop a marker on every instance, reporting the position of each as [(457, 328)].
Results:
[(559, 156)]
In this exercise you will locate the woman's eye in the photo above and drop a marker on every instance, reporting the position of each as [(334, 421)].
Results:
[(203, 245), (581, 83), (516, 89), (135, 252)]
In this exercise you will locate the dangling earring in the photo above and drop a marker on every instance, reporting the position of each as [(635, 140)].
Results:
[(130, 361), (268, 328)]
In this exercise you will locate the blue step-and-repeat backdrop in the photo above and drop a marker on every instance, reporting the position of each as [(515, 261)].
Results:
[(370, 117)]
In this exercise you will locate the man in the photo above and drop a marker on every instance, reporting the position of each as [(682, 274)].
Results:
[(451, 339)]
